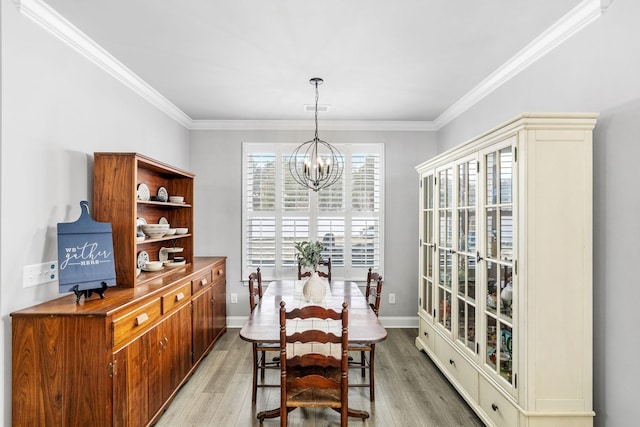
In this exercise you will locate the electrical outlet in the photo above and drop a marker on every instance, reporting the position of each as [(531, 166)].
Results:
[(392, 298), (234, 298), (37, 274)]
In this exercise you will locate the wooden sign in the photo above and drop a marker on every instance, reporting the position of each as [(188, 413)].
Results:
[(85, 255)]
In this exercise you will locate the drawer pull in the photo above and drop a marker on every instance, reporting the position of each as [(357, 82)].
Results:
[(220, 272), (179, 296), (494, 407), (426, 334), (451, 362), (203, 282), (141, 319)]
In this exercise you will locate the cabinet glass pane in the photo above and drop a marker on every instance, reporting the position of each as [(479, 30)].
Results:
[(427, 258), (467, 324), (505, 351), (492, 233), (427, 296), (427, 188), (444, 314), (428, 227), (462, 276), (471, 278), (462, 230), (492, 181), (473, 180), (492, 333), (506, 234), (506, 173)]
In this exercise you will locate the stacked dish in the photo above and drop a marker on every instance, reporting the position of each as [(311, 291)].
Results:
[(155, 231)]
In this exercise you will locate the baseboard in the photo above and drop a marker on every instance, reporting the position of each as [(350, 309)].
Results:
[(387, 321)]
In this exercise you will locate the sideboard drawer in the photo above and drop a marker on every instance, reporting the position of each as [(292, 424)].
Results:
[(176, 298), (136, 321), (201, 282), (219, 272), (496, 406)]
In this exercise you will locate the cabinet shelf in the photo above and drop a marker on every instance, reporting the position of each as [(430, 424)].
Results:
[(164, 204), (165, 239)]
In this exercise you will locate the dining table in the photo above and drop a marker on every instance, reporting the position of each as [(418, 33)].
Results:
[(263, 324)]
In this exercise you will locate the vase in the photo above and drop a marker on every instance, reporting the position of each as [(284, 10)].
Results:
[(507, 295), (314, 288)]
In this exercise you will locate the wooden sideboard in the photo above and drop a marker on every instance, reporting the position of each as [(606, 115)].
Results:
[(116, 361)]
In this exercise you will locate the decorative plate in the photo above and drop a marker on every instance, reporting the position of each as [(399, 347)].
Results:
[(143, 259), (139, 223), (163, 220), (163, 195), (143, 192)]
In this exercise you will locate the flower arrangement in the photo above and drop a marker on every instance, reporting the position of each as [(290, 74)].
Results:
[(309, 253)]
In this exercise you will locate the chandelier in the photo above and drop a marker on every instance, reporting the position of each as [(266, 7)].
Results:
[(316, 164)]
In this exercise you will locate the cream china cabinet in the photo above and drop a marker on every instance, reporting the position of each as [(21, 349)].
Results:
[(505, 281)]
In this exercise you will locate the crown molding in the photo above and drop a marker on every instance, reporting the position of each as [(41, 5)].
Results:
[(575, 20), (335, 125), (56, 24)]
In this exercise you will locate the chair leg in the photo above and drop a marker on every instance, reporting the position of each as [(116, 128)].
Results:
[(363, 363), (263, 364)]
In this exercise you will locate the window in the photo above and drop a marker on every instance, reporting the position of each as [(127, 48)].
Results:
[(347, 217)]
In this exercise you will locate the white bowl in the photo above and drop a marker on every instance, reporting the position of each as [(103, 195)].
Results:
[(155, 230), (153, 266), (182, 230), (176, 199), (170, 232)]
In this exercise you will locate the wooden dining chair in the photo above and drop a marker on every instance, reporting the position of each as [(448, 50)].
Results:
[(325, 263), (260, 350), (308, 378), (368, 351)]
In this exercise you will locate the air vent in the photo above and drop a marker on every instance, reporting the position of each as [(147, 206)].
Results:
[(321, 107)]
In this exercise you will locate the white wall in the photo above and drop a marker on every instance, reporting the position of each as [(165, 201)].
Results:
[(596, 70), (57, 109), (216, 160)]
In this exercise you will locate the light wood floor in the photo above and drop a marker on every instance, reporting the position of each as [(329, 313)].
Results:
[(410, 391)]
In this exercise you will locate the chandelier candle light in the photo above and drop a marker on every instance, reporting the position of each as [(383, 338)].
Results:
[(316, 164)]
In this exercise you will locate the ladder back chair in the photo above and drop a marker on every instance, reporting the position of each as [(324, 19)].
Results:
[(325, 263), (368, 351), (260, 349), (312, 379)]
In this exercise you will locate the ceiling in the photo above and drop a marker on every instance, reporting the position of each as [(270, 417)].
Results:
[(408, 60)]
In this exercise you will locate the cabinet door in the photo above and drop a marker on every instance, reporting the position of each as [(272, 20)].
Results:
[(466, 213), (219, 308), (499, 242), (131, 383), (202, 322), (427, 245), (444, 252), (169, 357)]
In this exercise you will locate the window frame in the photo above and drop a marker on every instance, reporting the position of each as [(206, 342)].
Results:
[(340, 272)]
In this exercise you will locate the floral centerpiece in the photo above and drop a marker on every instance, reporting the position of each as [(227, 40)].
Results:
[(310, 255)]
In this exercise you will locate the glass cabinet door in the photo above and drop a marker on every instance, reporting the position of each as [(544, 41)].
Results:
[(499, 241), (445, 247), (427, 245), (466, 207)]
